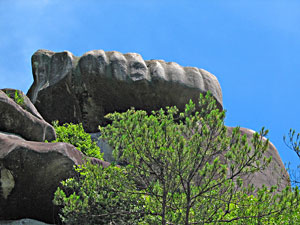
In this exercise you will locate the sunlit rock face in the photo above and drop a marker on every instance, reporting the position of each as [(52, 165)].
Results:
[(84, 89), (274, 175)]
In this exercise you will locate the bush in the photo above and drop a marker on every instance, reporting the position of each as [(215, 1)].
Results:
[(99, 196), (17, 97), (74, 134)]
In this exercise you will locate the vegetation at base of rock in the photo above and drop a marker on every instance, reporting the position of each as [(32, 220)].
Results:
[(182, 168), (99, 196), (74, 134)]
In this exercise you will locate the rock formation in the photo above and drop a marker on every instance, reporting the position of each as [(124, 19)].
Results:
[(30, 169), (84, 89), (30, 174), (23, 118)]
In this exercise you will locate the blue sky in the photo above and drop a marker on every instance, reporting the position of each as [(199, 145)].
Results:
[(252, 46)]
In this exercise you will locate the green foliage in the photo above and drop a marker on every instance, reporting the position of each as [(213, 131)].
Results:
[(179, 164), (180, 168), (265, 208), (74, 134), (19, 99), (99, 196), (293, 141)]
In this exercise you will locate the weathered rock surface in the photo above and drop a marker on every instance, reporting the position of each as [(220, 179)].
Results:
[(30, 173), (22, 222), (23, 118), (84, 89), (274, 174)]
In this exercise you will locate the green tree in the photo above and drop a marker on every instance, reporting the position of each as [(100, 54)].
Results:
[(186, 163), (74, 134), (179, 168)]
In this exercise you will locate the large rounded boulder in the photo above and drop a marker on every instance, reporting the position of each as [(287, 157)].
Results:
[(274, 175), (84, 89)]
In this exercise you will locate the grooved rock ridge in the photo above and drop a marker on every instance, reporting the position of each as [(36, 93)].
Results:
[(84, 89)]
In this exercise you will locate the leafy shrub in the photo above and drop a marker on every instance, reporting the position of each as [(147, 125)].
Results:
[(19, 99), (74, 134)]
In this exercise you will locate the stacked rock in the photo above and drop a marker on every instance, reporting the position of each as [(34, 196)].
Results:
[(83, 90)]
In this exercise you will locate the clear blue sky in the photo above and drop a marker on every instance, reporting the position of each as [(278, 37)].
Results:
[(252, 46)]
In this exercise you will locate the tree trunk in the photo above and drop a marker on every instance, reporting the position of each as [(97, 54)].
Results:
[(188, 204)]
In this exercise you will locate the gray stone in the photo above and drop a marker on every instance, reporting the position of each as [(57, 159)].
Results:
[(30, 173), (105, 148), (22, 222), (7, 182), (84, 89), (23, 118)]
